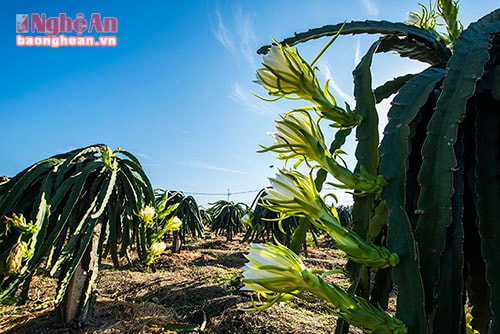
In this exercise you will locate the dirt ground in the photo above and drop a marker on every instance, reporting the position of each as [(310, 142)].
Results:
[(196, 291)]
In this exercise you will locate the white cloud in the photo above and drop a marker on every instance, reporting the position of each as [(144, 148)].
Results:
[(251, 102), (247, 38), (204, 165), (222, 34), (238, 35), (180, 130), (357, 53), (143, 155), (325, 68), (370, 7)]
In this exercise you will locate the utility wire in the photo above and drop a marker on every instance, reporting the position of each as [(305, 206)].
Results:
[(222, 194), (235, 193)]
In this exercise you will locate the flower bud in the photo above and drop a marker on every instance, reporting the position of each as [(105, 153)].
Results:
[(273, 268), (287, 74), (14, 260), (277, 274), (154, 251), (147, 215), (294, 194)]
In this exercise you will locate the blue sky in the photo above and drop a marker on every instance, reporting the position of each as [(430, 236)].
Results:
[(177, 91)]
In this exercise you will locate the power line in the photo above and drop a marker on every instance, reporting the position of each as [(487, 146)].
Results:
[(235, 193), (228, 194), (221, 194)]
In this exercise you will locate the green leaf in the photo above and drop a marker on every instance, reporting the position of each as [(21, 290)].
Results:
[(300, 235), (145, 184), (465, 67), (488, 195), (75, 259), (394, 151), (104, 194), (410, 48), (74, 158), (114, 227), (492, 81), (450, 311), (367, 132), (423, 36), (78, 227), (391, 87), (130, 156), (19, 185), (367, 156)]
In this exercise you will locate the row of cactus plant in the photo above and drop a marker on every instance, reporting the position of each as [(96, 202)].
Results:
[(426, 196), (67, 212), (226, 218), (187, 211)]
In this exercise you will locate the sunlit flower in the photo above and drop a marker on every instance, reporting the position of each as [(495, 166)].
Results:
[(246, 220), (174, 224), (427, 19), (147, 215), (157, 248), (295, 194), (273, 268), (154, 251), (287, 74), (298, 136), (278, 274)]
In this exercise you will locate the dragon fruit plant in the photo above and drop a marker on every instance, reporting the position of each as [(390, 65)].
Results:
[(69, 211), (426, 195)]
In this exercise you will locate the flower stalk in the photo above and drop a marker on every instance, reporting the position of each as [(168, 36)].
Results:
[(278, 274), (287, 74), (294, 194), (300, 137)]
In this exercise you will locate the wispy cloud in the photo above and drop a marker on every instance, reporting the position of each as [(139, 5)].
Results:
[(251, 102), (357, 52), (204, 165), (370, 7), (325, 68), (180, 130), (247, 38), (143, 155), (222, 34), (67, 149), (237, 35)]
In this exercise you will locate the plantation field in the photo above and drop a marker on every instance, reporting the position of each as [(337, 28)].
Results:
[(197, 290)]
